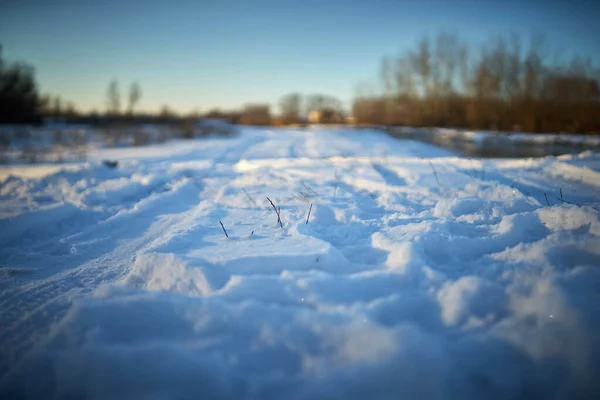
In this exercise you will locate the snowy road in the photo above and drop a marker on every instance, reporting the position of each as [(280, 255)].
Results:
[(418, 275)]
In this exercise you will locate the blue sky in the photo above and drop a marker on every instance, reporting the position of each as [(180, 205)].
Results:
[(200, 54)]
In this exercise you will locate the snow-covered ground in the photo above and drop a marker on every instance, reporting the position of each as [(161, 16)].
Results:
[(419, 274), (521, 138), (500, 144), (503, 138)]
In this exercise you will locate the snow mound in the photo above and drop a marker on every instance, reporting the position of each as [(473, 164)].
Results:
[(383, 268)]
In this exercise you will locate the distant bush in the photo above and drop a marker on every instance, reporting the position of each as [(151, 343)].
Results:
[(232, 117), (216, 127), (140, 137), (115, 133), (188, 128), (192, 127)]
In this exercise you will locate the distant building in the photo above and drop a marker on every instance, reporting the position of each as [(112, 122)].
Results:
[(325, 116), (314, 116)]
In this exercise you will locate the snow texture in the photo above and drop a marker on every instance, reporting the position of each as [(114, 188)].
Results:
[(419, 274)]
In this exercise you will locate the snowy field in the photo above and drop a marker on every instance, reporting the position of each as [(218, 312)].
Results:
[(418, 275)]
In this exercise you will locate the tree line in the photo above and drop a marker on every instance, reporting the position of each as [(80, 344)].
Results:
[(21, 102), (18, 93), (506, 84)]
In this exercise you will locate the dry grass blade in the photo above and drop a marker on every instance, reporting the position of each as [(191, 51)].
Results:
[(226, 235), (435, 173), (308, 217), (335, 184), (276, 212), (274, 208), (561, 197), (563, 201), (250, 198), (309, 188), (303, 196)]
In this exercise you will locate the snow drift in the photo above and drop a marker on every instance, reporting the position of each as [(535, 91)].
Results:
[(418, 274)]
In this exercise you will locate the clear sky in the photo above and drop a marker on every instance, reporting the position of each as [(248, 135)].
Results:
[(200, 54)]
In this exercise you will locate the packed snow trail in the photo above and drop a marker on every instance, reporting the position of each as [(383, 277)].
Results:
[(419, 274)]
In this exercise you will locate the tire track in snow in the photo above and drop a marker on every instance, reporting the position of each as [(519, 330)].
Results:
[(26, 311), (351, 238), (389, 176)]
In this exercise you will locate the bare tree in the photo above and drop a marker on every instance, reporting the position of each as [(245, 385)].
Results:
[(421, 64), (404, 75), (166, 112), (447, 57), (135, 93), (386, 73), (315, 102), (506, 84), (57, 107), (318, 102), (113, 98), (70, 110), (291, 106)]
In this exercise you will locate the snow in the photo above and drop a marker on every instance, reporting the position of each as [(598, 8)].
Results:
[(519, 137), (500, 144), (419, 274)]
